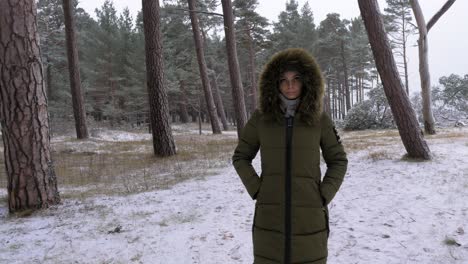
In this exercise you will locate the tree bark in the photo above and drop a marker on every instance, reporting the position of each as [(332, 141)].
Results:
[(405, 117), (31, 178), (163, 142), (439, 13), (211, 108), (219, 101), (234, 71), (79, 111), (424, 75)]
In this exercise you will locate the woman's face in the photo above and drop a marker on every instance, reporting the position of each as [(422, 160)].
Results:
[(290, 84)]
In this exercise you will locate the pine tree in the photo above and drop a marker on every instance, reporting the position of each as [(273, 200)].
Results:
[(163, 142), (399, 28), (24, 119), (403, 113), (79, 112), (251, 33)]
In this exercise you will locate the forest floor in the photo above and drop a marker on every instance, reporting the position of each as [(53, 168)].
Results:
[(121, 205)]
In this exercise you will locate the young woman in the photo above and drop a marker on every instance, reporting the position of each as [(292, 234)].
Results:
[(291, 217)]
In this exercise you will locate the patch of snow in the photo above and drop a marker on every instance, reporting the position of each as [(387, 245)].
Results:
[(387, 211)]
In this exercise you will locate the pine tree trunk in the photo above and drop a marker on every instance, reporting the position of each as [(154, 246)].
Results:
[(405, 61), (219, 101), (334, 100), (31, 178), (203, 69), (234, 71), (184, 116), (346, 84), (79, 111), (163, 142), (404, 115), (405, 64), (49, 81), (328, 96), (429, 122), (253, 75)]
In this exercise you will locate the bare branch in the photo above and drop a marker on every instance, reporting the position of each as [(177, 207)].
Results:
[(188, 10), (436, 17)]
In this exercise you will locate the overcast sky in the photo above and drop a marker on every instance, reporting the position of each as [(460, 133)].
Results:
[(448, 39)]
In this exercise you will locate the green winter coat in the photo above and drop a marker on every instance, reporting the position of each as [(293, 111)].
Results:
[(291, 218)]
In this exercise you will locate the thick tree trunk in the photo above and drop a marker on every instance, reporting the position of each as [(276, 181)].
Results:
[(79, 111), (219, 101), (203, 69), (31, 178), (405, 117), (234, 71), (163, 142)]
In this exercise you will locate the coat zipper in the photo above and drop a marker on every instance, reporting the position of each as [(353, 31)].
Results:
[(287, 214)]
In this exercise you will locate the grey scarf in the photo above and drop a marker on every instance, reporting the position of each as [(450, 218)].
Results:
[(288, 105)]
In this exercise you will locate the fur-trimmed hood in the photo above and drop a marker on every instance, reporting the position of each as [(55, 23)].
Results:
[(310, 107)]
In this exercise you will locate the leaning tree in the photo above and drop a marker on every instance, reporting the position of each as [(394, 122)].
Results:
[(404, 115)]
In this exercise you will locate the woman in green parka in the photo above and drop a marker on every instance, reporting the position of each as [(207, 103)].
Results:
[(291, 217)]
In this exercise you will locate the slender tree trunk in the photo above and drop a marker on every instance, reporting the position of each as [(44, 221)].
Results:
[(346, 84), (405, 64), (163, 142), (328, 96), (79, 111), (334, 99), (234, 71), (49, 81), (252, 64), (31, 178), (405, 117), (203, 69), (405, 60), (429, 122), (184, 116), (361, 86), (357, 88), (219, 102)]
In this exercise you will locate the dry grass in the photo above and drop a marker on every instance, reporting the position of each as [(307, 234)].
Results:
[(448, 133), (368, 139), (379, 155), (103, 167), (451, 242)]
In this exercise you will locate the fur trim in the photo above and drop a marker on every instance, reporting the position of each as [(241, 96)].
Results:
[(310, 106)]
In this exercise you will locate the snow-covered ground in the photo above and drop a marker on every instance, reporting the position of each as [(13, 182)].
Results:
[(387, 211)]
